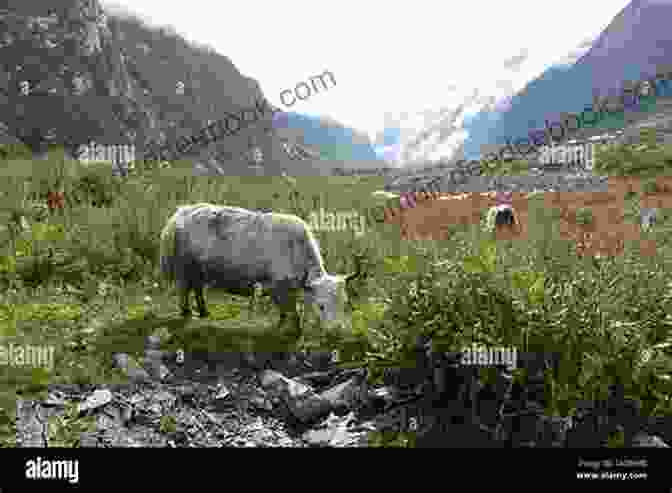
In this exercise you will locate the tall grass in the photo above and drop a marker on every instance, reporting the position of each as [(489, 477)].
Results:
[(94, 264)]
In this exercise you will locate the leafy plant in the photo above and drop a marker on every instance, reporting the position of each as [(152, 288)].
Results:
[(650, 186), (66, 430), (484, 261), (584, 216)]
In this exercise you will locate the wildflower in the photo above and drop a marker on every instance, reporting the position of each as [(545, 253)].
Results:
[(504, 198), (55, 200)]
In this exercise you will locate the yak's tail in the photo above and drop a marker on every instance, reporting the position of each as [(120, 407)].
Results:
[(167, 248)]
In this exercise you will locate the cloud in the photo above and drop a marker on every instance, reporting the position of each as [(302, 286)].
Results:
[(514, 63)]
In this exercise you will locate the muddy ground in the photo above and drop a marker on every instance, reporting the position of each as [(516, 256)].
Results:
[(606, 234)]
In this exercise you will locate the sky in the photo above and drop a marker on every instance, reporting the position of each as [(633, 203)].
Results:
[(387, 57)]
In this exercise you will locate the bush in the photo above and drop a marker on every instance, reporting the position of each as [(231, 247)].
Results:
[(14, 151), (96, 186), (584, 216), (648, 158)]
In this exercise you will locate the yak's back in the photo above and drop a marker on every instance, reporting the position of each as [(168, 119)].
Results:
[(239, 234)]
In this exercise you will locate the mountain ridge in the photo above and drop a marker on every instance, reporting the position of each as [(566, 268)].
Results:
[(126, 82), (633, 45)]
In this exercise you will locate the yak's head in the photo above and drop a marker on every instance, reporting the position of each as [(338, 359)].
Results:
[(327, 295)]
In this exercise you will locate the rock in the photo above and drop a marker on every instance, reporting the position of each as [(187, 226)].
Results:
[(644, 440), (468, 179), (383, 398), (98, 399), (223, 393), (347, 396), (319, 378), (153, 341), (335, 432), (320, 360), (55, 399), (31, 425), (304, 404), (153, 362), (261, 401), (156, 354), (130, 367)]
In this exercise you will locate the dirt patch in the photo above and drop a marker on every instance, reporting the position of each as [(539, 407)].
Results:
[(435, 218), (594, 221)]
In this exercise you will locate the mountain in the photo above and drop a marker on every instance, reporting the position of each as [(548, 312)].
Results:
[(333, 140), (60, 78), (72, 71), (631, 48)]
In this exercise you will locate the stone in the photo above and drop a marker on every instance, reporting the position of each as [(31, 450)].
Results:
[(347, 395), (641, 440), (303, 403)]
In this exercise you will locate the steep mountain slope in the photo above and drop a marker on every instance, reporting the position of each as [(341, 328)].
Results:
[(631, 48), (62, 79), (104, 75)]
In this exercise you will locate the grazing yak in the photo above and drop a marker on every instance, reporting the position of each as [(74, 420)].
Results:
[(233, 249), (500, 215)]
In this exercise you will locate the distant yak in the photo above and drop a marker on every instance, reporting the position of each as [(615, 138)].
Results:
[(500, 215)]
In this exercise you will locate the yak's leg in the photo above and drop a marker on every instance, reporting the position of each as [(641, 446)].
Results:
[(184, 290), (285, 299), (200, 302), (257, 293)]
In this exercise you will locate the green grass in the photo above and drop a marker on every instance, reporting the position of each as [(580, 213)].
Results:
[(505, 168), (80, 280)]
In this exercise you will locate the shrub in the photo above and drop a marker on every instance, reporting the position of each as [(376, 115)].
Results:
[(14, 151), (584, 216)]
